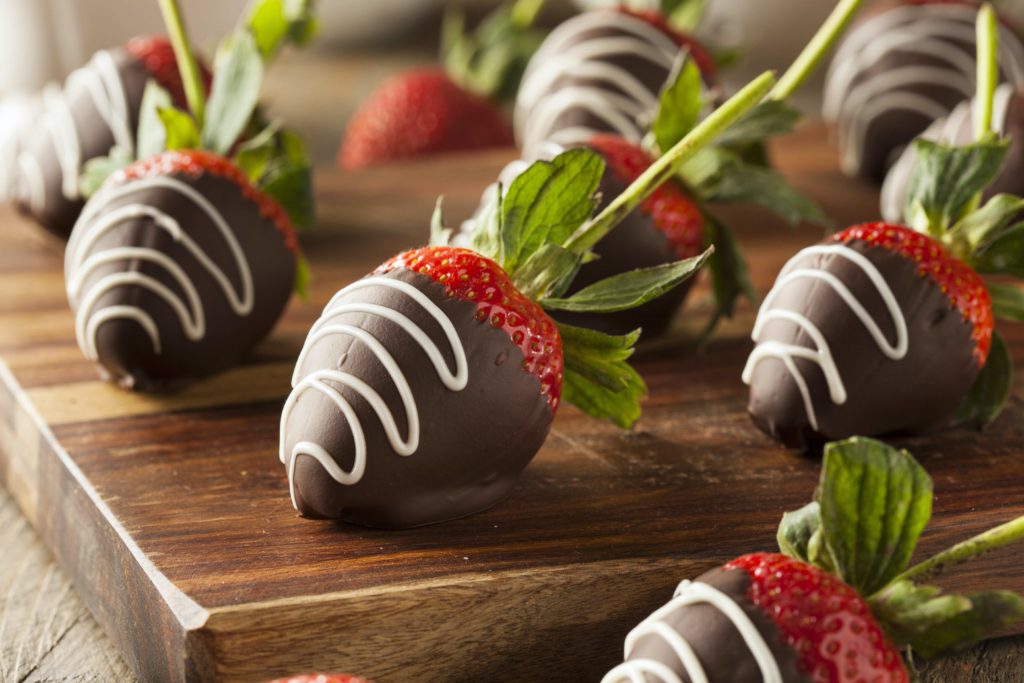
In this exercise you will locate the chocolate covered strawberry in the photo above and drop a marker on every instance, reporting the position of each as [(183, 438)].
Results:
[(840, 603), (426, 387), (430, 110), (184, 260), (885, 328), (96, 111), (600, 72), (675, 222)]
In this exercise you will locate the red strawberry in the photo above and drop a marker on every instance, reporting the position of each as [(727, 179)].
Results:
[(157, 55), (469, 372), (877, 329), (177, 267), (418, 113), (321, 678)]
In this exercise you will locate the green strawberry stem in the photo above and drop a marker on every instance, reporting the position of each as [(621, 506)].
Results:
[(664, 168), (525, 12), (992, 539), (988, 68), (814, 52), (187, 65)]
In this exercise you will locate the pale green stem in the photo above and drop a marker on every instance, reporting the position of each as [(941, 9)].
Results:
[(816, 49), (187, 65), (998, 537), (988, 69), (665, 166)]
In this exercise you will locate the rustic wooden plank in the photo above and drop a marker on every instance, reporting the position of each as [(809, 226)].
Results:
[(171, 514)]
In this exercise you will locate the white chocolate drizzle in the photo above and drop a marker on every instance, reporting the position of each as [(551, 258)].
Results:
[(81, 261), (610, 93), (690, 593), (821, 353), (941, 34), (323, 380)]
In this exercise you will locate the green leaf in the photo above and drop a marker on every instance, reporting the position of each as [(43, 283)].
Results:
[(486, 235), (239, 70), (96, 171), (179, 129), (908, 610), (747, 183), (630, 289), (548, 272), (1003, 255), (547, 202), (768, 119), (991, 389), (152, 135), (875, 501), (598, 380), (991, 612), (680, 104), (796, 530), (946, 179), (987, 223), (439, 234), (684, 15), (273, 22), (254, 156), (292, 187), (730, 278), (1007, 301)]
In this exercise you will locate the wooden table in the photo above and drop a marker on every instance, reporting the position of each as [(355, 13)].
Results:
[(46, 634)]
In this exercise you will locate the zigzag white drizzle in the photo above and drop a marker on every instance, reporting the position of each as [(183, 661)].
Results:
[(618, 99), (321, 380), (953, 129), (691, 593), (80, 262), (102, 80), (944, 33), (822, 353)]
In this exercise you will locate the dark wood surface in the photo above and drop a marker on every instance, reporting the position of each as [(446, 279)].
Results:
[(171, 514)]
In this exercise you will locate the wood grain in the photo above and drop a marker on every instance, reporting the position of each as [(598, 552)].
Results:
[(171, 515)]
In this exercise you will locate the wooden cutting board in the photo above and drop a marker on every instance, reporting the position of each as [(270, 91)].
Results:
[(171, 513)]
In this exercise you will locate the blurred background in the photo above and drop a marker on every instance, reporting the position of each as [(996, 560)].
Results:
[(362, 42)]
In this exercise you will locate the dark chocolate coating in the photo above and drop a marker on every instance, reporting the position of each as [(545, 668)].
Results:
[(473, 443), (723, 654), (636, 242), (898, 71), (124, 349), (58, 213), (915, 393), (958, 129), (648, 74)]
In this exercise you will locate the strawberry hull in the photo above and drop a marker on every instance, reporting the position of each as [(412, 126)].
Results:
[(854, 340), (175, 277), (458, 417)]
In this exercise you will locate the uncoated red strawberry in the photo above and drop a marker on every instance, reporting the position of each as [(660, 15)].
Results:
[(157, 55), (417, 113), (957, 280), (472, 277)]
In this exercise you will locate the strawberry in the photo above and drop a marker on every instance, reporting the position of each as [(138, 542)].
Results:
[(425, 388), (885, 327), (97, 112), (419, 113), (181, 262), (666, 227), (321, 678), (840, 602)]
